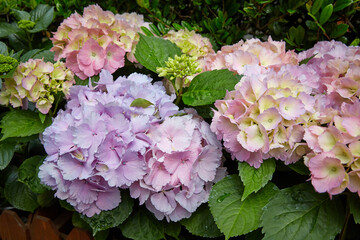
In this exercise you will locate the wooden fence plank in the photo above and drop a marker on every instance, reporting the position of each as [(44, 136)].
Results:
[(79, 234), (42, 228), (12, 227)]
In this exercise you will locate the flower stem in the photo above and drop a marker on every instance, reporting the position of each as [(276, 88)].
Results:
[(347, 217)]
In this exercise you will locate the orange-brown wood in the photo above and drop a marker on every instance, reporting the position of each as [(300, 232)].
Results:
[(12, 227), (79, 234), (42, 228)]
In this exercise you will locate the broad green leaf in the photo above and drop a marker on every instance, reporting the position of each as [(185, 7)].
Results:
[(153, 52), (28, 174), (6, 29), (141, 102), (112, 218), (47, 55), (22, 123), (201, 223), (326, 13), (299, 212), (43, 16), (341, 4), (4, 49), (20, 15), (316, 6), (207, 87), (233, 216), (354, 203), (255, 178), (339, 30), (6, 153), (142, 225), (29, 54), (19, 195), (172, 229)]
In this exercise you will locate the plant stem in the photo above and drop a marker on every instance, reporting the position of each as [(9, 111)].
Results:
[(347, 217)]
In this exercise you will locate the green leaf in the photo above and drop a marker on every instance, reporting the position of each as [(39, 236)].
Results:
[(29, 54), (355, 42), (187, 25), (42, 117), (300, 34), (299, 212), (47, 55), (112, 218), (354, 203), (233, 216), (311, 25), (43, 16), (22, 123), (207, 87), (146, 31), (292, 33), (28, 174), (153, 52), (326, 13), (6, 29), (299, 166), (316, 6), (4, 49), (141, 102), (142, 225), (255, 178), (306, 60), (201, 223), (155, 30), (20, 15), (341, 4), (46, 198), (177, 26), (18, 194), (339, 30), (143, 3), (172, 229), (6, 154)]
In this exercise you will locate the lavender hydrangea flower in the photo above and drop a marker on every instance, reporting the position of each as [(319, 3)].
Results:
[(98, 144)]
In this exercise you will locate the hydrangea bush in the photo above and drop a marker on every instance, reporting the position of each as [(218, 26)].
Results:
[(199, 139)]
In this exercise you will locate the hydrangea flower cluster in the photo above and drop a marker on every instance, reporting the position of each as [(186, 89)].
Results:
[(270, 54), (334, 160), (190, 42), (264, 116), (37, 81), (97, 40), (105, 137), (183, 163)]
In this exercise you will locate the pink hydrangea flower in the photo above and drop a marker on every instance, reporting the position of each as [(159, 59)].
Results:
[(269, 54), (182, 164), (264, 116), (97, 40)]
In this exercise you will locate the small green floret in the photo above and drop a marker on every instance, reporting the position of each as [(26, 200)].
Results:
[(7, 63), (179, 67), (26, 24)]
